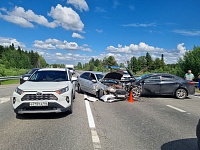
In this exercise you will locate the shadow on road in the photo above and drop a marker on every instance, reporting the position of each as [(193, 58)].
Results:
[(42, 116), (182, 144)]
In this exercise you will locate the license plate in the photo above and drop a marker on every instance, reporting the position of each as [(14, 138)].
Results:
[(38, 104)]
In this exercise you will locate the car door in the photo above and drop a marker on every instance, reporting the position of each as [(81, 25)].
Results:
[(92, 83), (168, 85), (151, 85), (83, 81)]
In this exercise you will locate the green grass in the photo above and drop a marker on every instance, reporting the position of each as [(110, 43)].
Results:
[(15, 81)]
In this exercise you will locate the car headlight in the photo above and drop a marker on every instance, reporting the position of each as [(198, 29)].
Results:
[(19, 91), (63, 90)]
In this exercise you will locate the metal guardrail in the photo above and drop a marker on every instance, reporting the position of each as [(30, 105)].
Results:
[(8, 78)]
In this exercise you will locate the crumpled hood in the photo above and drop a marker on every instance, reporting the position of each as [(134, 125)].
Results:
[(43, 86), (117, 75)]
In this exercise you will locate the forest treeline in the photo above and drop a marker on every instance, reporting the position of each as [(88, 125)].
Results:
[(145, 64), (17, 61)]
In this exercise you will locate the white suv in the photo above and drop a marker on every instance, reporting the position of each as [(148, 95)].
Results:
[(47, 90)]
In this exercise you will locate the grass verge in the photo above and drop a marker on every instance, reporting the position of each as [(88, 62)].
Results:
[(15, 81)]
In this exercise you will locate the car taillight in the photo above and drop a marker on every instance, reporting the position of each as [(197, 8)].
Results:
[(192, 83)]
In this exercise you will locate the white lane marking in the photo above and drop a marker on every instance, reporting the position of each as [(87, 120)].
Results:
[(4, 99), (178, 109), (95, 137)]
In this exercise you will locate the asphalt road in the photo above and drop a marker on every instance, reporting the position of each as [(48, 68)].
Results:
[(156, 123)]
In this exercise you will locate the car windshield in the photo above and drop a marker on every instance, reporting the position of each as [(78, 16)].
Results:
[(49, 76), (99, 76), (32, 71)]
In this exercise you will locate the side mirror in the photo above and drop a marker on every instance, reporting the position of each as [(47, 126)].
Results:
[(93, 80)]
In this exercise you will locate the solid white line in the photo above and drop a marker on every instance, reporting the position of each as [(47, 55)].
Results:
[(178, 109), (89, 114), (95, 137)]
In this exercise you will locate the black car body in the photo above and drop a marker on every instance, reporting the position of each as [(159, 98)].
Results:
[(166, 84), (25, 77)]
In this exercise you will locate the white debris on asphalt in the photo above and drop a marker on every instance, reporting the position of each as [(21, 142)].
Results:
[(89, 98)]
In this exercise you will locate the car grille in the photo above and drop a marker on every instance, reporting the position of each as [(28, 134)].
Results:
[(32, 97)]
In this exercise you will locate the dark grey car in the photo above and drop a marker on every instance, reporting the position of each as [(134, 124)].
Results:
[(166, 84)]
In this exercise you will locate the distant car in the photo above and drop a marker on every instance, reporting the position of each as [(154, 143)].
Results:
[(126, 76), (46, 91), (166, 84), (25, 77), (198, 134)]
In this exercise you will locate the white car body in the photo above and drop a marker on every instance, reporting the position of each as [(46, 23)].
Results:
[(44, 96)]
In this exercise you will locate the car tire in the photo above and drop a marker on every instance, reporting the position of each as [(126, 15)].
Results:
[(70, 111), (99, 94), (198, 143), (79, 88), (181, 93), (74, 95), (136, 91)]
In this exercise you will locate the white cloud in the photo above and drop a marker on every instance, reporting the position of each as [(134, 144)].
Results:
[(182, 49), (67, 18), (43, 45), (58, 54), (76, 35), (17, 20), (8, 41), (49, 44), (63, 16), (139, 25), (142, 48), (187, 33), (79, 4), (24, 18)]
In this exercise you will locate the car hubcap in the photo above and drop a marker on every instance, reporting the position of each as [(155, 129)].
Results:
[(181, 93)]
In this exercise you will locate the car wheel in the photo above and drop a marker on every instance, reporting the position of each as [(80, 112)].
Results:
[(79, 88), (74, 95), (99, 94), (198, 143), (136, 91), (181, 93)]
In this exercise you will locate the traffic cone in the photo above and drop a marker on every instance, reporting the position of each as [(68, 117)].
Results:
[(130, 100)]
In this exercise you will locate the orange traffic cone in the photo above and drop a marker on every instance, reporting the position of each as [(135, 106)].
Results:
[(130, 100)]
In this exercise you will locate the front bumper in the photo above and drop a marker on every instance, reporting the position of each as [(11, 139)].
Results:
[(55, 103), (51, 108)]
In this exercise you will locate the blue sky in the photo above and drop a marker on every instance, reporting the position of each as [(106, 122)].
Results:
[(71, 31)]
